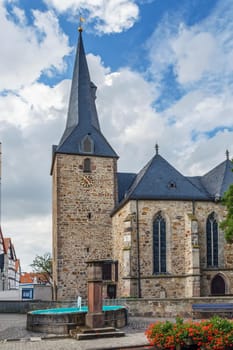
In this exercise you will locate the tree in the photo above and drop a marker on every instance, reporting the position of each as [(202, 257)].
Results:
[(227, 224), (43, 264)]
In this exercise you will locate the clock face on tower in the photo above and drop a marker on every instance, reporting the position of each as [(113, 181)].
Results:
[(86, 181)]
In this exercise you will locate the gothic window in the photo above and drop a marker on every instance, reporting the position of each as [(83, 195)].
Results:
[(212, 240), (159, 244), (87, 165), (87, 144)]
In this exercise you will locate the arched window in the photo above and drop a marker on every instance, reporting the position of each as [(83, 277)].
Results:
[(212, 240), (87, 165), (87, 144), (159, 244)]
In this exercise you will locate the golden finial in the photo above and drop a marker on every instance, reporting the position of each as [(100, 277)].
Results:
[(81, 20)]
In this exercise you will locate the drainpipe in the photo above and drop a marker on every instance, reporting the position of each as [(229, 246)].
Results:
[(138, 251)]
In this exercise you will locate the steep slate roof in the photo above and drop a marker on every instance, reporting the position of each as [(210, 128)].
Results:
[(196, 181), (160, 180), (124, 181), (82, 119), (217, 180)]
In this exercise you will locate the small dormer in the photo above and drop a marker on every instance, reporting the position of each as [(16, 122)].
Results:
[(87, 144)]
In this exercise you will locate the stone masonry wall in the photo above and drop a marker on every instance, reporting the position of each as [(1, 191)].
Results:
[(81, 219), (186, 249)]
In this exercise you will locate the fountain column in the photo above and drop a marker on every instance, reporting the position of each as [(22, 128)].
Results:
[(95, 315)]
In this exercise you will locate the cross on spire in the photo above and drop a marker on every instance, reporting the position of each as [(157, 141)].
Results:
[(81, 20)]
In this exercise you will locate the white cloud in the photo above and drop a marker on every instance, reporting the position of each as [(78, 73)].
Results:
[(200, 54), (112, 16), (194, 54), (31, 236), (24, 48), (200, 57), (33, 104)]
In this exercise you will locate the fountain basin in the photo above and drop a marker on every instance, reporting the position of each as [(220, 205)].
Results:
[(62, 320)]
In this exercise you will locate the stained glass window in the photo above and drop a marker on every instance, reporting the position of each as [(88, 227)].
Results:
[(212, 240), (159, 244)]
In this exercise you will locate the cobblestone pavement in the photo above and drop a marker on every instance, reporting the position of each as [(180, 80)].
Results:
[(14, 336)]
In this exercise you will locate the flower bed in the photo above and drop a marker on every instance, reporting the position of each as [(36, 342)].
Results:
[(213, 334)]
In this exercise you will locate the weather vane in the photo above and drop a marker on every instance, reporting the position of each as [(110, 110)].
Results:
[(81, 20)]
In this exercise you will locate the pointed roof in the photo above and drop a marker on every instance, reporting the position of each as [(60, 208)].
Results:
[(2, 241), (82, 119), (9, 246), (218, 180), (160, 180)]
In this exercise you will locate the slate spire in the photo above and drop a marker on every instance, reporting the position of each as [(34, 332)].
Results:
[(82, 119)]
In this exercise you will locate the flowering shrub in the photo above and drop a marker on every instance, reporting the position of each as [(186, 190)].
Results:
[(213, 334)]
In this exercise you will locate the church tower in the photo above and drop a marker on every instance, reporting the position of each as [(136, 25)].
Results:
[(84, 188)]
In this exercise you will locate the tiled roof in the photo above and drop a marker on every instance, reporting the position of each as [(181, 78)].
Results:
[(26, 278), (7, 243), (82, 119), (33, 277)]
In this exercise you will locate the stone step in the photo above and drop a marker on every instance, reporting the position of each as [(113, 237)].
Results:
[(98, 330), (87, 336)]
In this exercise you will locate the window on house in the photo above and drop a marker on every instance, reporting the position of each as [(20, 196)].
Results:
[(87, 165), (87, 144), (159, 244), (212, 240), (107, 271)]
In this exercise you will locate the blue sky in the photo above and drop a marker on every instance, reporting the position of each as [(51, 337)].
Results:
[(164, 71)]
